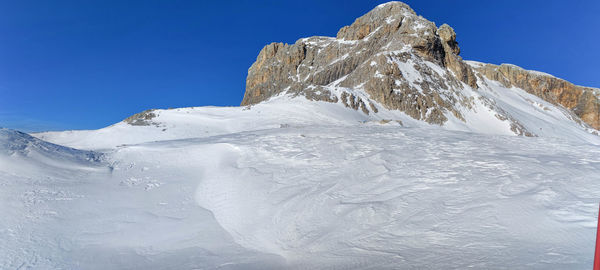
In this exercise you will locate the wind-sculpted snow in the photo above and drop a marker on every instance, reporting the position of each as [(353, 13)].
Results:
[(63, 211), (406, 198), (364, 196)]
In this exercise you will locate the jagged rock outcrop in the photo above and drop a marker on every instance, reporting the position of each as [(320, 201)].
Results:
[(377, 53), (395, 59), (451, 60)]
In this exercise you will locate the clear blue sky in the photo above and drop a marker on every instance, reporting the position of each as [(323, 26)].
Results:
[(89, 64)]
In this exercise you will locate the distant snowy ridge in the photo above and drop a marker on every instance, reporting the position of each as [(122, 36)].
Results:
[(13, 142), (15, 145), (534, 115)]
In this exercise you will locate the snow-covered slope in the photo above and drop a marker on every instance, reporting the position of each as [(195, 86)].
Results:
[(210, 121), (390, 198), (293, 183), (534, 114), (377, 149), (63, 208), (330, 196)]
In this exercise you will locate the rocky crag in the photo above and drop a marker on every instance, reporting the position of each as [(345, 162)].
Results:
[(393, 59), (582, 101)]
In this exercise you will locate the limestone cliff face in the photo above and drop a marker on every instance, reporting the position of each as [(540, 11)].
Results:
[(394, 59), (367, 55)]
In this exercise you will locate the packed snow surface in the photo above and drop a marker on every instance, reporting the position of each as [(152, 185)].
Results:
[(302, 185)]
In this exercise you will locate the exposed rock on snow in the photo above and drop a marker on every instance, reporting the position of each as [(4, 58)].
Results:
[(141, 119)]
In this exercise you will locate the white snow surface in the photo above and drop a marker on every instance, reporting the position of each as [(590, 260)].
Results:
[(294, 184)]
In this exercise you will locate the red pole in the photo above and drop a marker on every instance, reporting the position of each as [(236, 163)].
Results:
[(597, 253)]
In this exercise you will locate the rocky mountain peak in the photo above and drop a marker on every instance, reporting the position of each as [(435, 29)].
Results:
[(391, 58), (389, 16)]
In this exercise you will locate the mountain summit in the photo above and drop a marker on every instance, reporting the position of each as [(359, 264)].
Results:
[(393, 59)]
